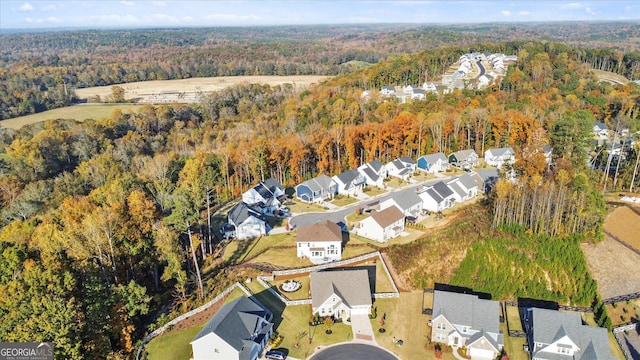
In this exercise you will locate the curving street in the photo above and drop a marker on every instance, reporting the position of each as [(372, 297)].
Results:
[(305, 219), (353, 352)]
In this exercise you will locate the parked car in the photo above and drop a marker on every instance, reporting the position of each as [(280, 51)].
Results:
[(275, 355)]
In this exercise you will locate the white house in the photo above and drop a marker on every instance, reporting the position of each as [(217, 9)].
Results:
[(340, 293), (433, 163), (556, 335), (248, 220), (349, 183), (600, 130), (464, 320), (268, 195), (464, 187), (374, 173), (499, 157), (238, 331), (437, 197), (387, 90), (408, 202), (382, 225), (320, 242), (401, 168)]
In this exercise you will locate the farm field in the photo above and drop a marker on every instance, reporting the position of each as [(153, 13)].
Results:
[(76, 112), (143, 89), (624, 223)]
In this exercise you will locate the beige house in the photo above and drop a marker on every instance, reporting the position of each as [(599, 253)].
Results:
[(464, 320), (340, 293), (320, 242)]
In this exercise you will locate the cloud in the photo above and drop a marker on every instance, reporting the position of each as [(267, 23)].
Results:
[(49, 8), (523, 13), (158, 3), (231, 17), (50, 19), (573, 5), (26, 7), (29, 20), (506, 12), (128, 3)]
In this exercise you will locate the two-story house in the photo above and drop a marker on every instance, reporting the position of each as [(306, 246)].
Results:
[(349, 183), (433, 163), (556, 335), (317, 189), (374, 173), (340, 293), (382, 225), (320, 242), (238, 331), (248, 221)]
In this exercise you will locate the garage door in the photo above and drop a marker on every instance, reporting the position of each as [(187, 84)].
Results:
[(481, 354)]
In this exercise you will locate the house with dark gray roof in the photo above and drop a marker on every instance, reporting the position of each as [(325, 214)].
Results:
[(433, 163), (316, 189), (268, 195), (238, 331), (349, 183), (340, 293), (374, 173), (382, 225), (464, 320), (557, 335), (464, 159), (320, 243), (408, 202), (486, 179), (437, 197), (248, 221)]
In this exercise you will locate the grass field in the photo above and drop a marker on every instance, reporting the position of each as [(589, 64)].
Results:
[(76, 112), (173, 346), (144, 88)]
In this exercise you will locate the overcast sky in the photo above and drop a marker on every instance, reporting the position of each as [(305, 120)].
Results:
[(37, 14)]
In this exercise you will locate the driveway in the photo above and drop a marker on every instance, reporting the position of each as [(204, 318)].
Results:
[(361, 328), (353, 351), (338, 215)]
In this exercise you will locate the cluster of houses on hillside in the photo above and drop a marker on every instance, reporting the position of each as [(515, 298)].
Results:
[(240, 329), (494, 67), (248, 219)]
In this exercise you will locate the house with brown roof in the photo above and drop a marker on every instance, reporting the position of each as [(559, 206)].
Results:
[(340, 293), (382, 225), (320, 243)]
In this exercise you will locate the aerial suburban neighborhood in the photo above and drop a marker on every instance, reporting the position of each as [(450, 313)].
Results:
[(180, 180)]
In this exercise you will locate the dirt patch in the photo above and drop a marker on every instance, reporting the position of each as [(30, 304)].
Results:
[(184, 90), (624, 223), (198, 319), (614, 267)]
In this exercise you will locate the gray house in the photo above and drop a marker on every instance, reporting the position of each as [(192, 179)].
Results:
[(464, 159), (340, 293), (349, 183), (555, 335), (248, 221), (464, 320), (316, 189), (238, 331), (406, 201)]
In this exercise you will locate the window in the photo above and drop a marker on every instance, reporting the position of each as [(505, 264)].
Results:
[(441, 326), (216, 351), (440, 337), (299, 244)]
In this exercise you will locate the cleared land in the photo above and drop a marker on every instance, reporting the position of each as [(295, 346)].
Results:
[(145, 90), (76, 112), (611, 263), (610, 76), (624, 224), (614, 267)]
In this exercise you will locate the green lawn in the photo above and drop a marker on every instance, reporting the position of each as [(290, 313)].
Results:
[(513, 345), (342, 200), (373, 191), (285, 258), (241, 250), (513, 316), (395, 182), (173, 346), (76, 112), (301, 294), (297, 207)]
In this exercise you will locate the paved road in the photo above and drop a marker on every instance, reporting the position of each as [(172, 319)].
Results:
[(306, 219), (353, 352), (482, 70)]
